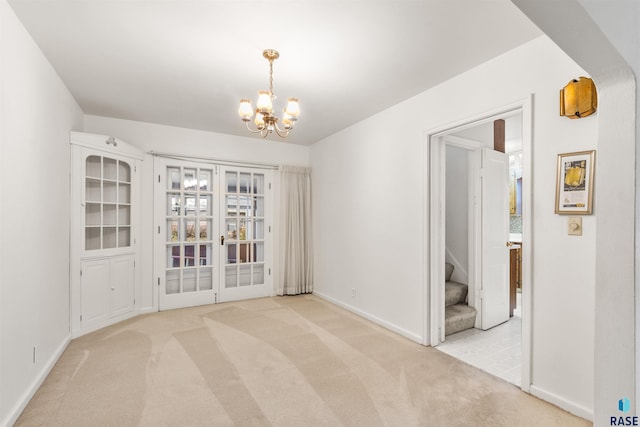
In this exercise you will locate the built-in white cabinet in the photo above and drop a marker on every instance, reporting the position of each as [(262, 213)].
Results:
[(107, 290), (104, 225)]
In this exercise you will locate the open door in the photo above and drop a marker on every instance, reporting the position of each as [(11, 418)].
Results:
[(495, 235)]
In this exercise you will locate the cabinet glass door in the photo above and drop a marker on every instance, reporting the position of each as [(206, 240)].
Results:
[(107, 203)]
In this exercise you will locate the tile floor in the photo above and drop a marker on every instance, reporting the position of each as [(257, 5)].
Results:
[(497, 351)]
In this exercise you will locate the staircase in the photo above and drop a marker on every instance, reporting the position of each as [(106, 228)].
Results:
[(458, 316)]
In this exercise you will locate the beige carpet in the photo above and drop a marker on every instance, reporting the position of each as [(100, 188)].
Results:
[(284, 361)]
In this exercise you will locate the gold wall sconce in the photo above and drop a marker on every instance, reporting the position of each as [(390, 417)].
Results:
[(578, 98)]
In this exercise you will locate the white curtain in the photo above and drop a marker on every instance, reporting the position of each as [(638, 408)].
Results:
[(296, 243)]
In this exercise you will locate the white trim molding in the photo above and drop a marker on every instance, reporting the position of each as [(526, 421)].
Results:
[(560, 402), (434, 142), (387, 325)]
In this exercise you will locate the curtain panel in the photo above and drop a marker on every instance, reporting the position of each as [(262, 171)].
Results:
[(296, 241)]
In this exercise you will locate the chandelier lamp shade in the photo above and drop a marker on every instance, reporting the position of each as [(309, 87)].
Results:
[(266, 122)]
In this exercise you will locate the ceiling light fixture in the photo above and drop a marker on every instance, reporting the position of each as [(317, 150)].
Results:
[(266, 122)]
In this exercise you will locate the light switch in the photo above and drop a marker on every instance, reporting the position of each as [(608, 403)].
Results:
[(574, 226)]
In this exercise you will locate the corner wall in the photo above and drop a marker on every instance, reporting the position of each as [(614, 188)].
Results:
[(621, 25), (368, 203), (37, 113), (579, 26)]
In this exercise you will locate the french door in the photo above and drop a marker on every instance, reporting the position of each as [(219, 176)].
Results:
[(212, 233), (244, 238)]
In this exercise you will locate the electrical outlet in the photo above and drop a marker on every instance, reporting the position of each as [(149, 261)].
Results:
[(353, 292), (35, 354)]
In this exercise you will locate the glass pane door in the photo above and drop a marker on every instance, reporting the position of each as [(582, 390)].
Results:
[(188, 234), (212, 233), (245, 219)]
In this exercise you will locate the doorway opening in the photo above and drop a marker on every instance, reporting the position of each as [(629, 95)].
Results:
[(479, 210)]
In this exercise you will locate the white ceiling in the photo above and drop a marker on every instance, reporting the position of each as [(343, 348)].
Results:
[(187, 63)]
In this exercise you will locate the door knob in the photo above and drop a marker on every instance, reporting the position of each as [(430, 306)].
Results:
[(221, 240), (509, 244)]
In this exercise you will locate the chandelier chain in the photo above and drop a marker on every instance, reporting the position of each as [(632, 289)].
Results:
[(271, 77)]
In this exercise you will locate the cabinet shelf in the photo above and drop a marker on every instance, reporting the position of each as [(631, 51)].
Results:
[(107, 184)]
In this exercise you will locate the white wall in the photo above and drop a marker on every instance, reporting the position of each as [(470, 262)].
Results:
[(369, 198), (186, 142), (457, 208), (621, 25), (37, 113), (586, 31)]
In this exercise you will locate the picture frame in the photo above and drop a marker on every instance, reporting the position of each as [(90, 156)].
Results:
[(574, 183)]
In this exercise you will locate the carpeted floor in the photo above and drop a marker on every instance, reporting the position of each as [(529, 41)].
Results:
[(284, 361)]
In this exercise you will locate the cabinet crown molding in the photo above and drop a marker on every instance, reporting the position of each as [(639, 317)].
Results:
[(106, 143)]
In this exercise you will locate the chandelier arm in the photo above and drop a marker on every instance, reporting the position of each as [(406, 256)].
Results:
[(251, 130), (282, 133)]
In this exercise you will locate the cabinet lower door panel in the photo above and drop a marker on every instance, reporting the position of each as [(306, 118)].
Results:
[(94, 292), (107, 289), (121, 286)]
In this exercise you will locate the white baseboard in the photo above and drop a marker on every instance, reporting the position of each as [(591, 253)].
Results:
[(15, 412), (147, 310), (405, 333), (561, 402), (84, 331)]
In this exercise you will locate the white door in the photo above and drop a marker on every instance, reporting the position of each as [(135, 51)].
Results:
[(121, 285), (186, 233), (495, 235), (245, 242), (213, 236), (94, 292), (107, 288)]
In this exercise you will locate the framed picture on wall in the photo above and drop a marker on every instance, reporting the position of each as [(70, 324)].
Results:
[(574, 183)]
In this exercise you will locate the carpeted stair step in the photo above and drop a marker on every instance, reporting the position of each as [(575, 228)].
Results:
[(448, 271), (458, 317), (455, 293)]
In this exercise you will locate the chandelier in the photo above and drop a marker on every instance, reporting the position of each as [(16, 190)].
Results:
[(266, 122)]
